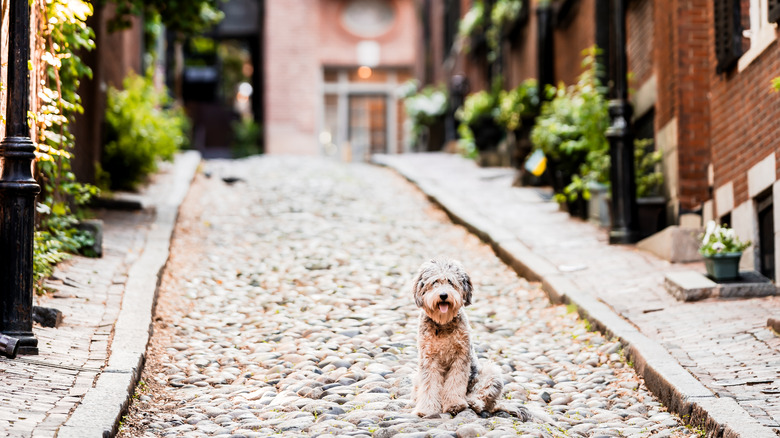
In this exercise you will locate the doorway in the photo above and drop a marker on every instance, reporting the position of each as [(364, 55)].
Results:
[(367, 125), (766, 235)]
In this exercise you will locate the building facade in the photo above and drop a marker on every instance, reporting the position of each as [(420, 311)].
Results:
[(331, 71), (700, 74)]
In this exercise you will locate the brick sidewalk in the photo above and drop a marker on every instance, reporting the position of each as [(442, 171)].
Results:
[(723, 343), (41, 392)]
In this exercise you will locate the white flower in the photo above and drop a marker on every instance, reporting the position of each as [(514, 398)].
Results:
[(718, 246), (711, 226)]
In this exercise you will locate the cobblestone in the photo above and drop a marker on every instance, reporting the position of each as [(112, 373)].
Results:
[(286, 309)]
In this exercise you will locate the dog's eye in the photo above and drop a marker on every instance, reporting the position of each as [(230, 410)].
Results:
[(450, 282)]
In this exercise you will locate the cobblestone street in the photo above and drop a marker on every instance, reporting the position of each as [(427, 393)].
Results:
[(286, 308)]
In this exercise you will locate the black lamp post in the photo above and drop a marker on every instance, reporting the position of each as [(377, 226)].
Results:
[(18, 189), (545, 58), (621, 140)]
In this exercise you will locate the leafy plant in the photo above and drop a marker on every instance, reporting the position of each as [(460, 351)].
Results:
[(519, 102), (479, 105), (776, 83), (571, 130), (246, 137), (62, 34), (473, 20), (183, 17), (143, 126), (425, 107), (649, 179), (720, 239)]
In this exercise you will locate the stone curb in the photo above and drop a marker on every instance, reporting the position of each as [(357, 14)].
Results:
[(664, 376), (102, 408)]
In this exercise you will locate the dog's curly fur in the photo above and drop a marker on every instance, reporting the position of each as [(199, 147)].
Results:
[(449, 378)]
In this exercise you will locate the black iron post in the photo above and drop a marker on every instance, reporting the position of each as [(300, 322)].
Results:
[(621, 140), (545, 49), (18, 189)]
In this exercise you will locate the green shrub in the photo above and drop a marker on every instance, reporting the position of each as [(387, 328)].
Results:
[(571, 131), (519, 102), (246, 138), (143, 127)]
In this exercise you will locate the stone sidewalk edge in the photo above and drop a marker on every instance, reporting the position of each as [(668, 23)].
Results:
[(664, 376), (101, 410)]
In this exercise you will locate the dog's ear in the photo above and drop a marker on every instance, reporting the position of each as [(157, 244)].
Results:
[(465, 283), (417, 288)]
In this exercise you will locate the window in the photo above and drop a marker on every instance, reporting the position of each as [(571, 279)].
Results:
[(728, 33), (762, 30)]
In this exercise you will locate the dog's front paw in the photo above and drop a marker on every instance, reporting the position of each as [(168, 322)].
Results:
[(456, 407), (477, 404), (423, 413)]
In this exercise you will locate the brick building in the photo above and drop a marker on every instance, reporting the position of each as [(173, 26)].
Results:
[(700, 74), (331, 70)]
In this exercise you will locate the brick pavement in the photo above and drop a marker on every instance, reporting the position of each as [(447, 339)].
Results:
[(723, 343), (41, 392)]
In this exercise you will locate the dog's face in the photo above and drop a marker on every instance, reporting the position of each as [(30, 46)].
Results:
[(441, 288)]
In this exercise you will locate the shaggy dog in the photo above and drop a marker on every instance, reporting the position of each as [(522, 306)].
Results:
[(449, 378)]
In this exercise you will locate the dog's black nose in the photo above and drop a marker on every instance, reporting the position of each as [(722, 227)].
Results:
[(443, 296)]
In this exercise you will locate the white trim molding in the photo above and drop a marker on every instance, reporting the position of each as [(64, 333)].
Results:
[(762, 33), (724, 198), (761, 176)]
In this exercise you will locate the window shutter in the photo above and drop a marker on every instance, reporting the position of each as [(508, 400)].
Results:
[(728, 33), (774, 10)]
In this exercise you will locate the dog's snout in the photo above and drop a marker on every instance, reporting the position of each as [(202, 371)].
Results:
[(443, 296)]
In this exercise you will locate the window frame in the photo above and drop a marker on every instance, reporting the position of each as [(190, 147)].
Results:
[(762, 33)]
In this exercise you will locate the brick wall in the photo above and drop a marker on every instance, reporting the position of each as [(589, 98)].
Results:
[(571, 39), (291, 73), (684, 56), (665, 61), (744, 120), (639, 26)]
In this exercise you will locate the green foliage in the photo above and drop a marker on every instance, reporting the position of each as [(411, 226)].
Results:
[(246, 138), (776, 83), (571, 129), (519, 102), (649, 179), (143, 127), (424, 107), (720, 239), (492, 24), (482, 104), (62, 34), (183, 17), (472, 21)]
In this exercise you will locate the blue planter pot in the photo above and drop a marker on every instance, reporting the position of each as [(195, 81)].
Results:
[(723, 266)]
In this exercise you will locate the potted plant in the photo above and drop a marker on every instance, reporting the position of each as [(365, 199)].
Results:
[(478, 115), (425, 111), (571, 132), (722, 249), (650, 202), (517, 109)]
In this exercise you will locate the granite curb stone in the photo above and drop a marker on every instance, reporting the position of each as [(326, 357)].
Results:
[(663, 375), (102, 408)]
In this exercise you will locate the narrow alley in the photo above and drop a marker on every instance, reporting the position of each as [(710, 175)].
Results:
[(286, 308)]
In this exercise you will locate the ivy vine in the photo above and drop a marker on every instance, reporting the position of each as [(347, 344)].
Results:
[(62, 32)]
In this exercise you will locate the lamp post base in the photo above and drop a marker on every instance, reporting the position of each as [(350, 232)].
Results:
[(27, 343), (623, 237)]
